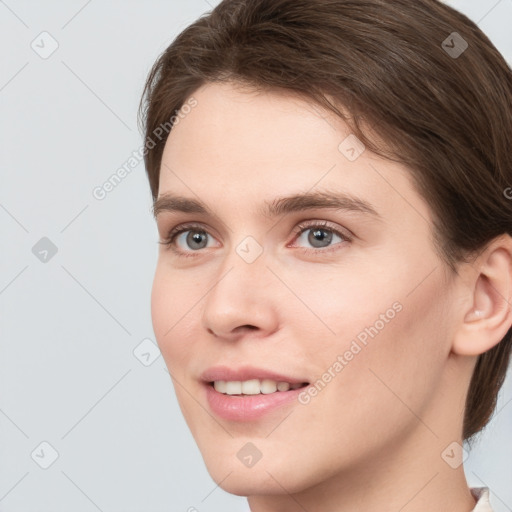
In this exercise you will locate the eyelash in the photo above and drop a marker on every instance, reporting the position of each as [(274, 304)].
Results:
[(301, 227)]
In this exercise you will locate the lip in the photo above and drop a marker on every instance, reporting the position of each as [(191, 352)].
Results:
[(246, 373), (247, 407)]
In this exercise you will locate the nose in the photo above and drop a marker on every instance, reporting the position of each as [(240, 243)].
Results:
[(241, 299)]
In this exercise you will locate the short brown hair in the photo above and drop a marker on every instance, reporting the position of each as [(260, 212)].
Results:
[(446, 116)]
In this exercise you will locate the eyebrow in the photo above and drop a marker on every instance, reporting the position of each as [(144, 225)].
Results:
[(169, 202)]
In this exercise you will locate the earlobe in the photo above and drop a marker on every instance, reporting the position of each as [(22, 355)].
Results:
[(489, 316)]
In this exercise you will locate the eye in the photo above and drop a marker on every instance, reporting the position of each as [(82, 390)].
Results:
[(320, 235), (186, 239)]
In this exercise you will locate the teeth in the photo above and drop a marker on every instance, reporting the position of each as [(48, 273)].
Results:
[(252, 387), (268, 386), (283, 386), (220, 386), (233, 388)]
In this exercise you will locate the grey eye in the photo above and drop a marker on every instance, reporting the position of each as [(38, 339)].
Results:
[(195, 239), (317, 237)]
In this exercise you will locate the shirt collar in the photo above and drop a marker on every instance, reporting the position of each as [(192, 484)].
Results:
[(481, 495)]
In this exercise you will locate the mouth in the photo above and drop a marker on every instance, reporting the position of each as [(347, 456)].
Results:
[(247, 393), (256, 399)]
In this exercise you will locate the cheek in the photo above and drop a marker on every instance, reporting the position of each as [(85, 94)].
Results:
[(378, 382), (390, 321), (172, 309), (162, 306)]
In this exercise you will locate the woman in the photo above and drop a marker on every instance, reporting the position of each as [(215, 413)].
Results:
[(333, 288)]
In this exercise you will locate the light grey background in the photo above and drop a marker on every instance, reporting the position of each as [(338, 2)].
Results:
[(69, 326)]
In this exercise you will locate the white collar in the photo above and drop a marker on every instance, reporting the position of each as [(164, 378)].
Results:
[(481, 494)]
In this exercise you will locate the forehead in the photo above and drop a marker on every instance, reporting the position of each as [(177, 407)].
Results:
[(243, 146), (240, 126), (237, 135)]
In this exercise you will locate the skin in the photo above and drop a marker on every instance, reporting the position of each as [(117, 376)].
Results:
[(372, 438)]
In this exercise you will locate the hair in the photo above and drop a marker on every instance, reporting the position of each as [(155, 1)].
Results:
[(385, 68)]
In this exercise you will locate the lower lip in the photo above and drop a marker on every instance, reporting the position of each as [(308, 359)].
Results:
[(248, 407)]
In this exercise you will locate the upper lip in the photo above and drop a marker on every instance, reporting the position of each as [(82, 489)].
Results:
[(243, 373)]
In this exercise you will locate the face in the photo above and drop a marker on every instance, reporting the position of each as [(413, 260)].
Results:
[(349, 297)]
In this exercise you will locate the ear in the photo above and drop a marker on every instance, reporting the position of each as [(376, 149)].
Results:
[(487, 316)]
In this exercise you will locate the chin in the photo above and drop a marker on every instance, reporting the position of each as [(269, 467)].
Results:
[(262, 478), (253, 482)]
